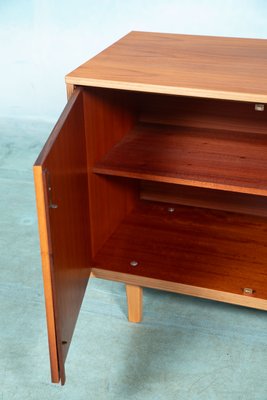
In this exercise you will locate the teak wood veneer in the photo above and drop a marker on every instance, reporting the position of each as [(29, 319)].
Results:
[(155, 175)]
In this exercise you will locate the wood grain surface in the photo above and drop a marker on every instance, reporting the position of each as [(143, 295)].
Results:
[(226, 115), (202, 197), (124, 135), (208, 249), (226, 160), (175, 287), (47, 269), (66, 256), (199, 66), (108, 117), (135, 303)]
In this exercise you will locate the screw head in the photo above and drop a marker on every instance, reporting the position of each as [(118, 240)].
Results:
[(248, 291), (134, 263)]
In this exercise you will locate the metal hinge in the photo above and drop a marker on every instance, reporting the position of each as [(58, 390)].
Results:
[(51, 204)]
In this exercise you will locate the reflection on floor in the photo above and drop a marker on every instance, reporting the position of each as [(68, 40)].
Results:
[(186, 348)]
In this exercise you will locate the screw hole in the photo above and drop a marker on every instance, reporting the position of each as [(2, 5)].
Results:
[(134, 263)]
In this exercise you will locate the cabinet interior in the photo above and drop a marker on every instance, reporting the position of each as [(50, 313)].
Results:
[(178, 184)]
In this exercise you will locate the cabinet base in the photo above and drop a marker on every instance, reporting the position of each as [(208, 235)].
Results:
[(140, 281)]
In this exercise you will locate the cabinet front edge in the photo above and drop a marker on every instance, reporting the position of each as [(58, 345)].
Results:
[(171, 90)]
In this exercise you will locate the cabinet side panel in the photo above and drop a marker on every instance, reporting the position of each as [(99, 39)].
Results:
[(109, 115)]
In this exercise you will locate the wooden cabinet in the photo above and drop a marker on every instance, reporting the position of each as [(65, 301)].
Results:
[(156, 176)]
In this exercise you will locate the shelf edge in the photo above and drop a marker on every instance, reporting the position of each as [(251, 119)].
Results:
[(180, 181), (211, 294)]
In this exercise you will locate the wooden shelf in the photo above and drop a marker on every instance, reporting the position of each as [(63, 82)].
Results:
[(216, 159), (203, 248)]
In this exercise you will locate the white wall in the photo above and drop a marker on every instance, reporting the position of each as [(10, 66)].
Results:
[(42, 40)]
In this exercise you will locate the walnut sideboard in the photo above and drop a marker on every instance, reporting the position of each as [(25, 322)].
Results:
[(155, 175)]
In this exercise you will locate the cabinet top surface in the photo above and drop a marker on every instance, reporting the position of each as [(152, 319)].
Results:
[(200, 66)]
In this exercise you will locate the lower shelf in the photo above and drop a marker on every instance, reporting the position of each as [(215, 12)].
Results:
[(215, 253)]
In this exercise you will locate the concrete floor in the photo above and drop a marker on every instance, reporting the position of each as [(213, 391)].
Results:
[(186, 348)]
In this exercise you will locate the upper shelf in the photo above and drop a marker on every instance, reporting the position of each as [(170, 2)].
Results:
[(199, 66), (216, 159)]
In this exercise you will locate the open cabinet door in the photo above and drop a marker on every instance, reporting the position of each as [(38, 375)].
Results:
[(61, 185)]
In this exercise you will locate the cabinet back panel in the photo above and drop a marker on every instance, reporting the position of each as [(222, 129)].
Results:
[(202, 197), (202, 113), (109, 115)]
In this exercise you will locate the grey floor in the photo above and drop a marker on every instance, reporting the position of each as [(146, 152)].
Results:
[(186, 348)]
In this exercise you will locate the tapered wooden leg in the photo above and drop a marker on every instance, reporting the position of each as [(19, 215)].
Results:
[(135, 303)]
